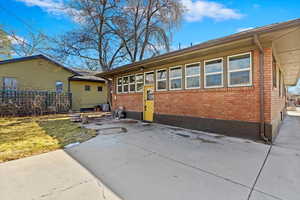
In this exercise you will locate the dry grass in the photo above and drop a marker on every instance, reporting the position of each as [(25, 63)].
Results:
[(22, 137)]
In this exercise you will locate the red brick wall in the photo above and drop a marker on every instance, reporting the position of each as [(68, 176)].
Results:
[(131, 102), (240, 103), (225, 103)]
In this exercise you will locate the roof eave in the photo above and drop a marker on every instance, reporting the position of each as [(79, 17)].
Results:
[(228, 39)]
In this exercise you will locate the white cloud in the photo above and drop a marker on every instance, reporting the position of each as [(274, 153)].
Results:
[(55, 7), (199, 9), (244, 29)]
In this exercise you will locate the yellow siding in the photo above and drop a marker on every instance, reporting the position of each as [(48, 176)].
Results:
[(36, 74), (87, 99), (39, 74)]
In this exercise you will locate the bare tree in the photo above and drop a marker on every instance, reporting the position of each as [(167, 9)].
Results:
[(145, 26), (94, 41), (5, 45), (114, 32), (34, 44)]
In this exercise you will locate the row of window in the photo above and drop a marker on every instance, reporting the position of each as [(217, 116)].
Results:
[(239, 74)]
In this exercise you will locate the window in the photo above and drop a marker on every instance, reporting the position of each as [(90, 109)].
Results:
[(213, 73), (161, 80), (87, 88), (192, 76), (175, 78), (119, 85), (132, 83), (99, 88), (59, 86), (149, 78), (10, 83), (274, 69), (125, 84), (150, 94), (139, 82), (239, 70)]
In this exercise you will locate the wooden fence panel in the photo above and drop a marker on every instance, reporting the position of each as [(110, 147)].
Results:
[(29, 102)]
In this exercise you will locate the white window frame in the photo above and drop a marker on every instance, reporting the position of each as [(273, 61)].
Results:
[(7, 77), (214, 73), (136, 82), (165, 79), (119, 85), (125, 84), (145, 77), (172, 78), (131, 84), (62, 88), (186, 76), (239, 70)]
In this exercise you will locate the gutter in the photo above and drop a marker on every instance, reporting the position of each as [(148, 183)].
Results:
[(261, 88)]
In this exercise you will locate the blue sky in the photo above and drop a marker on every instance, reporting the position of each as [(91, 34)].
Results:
[(204, 19)]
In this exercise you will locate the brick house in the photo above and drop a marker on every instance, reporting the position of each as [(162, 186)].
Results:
[(235, 85)]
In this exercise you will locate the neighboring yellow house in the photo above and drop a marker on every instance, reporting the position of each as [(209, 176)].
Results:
[(87, 90), (43, 74)]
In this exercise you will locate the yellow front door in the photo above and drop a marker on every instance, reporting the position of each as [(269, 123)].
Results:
[(148, 102)]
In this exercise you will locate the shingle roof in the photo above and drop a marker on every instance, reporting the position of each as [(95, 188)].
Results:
[(87, 78), (85, 71)]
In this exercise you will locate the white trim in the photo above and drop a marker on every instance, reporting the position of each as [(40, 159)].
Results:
[(119, 85), (166, 79), (239, 70), (129, 84), (190, 76), (145, 77), (125, 84), (17, 82), (214, 73), (173, 78), (139, 82)]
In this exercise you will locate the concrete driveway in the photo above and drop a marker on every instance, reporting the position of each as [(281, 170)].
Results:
[(138, 161), (50, 176), (151, 161)]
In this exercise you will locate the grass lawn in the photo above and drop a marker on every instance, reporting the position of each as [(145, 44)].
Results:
[(25, 136)]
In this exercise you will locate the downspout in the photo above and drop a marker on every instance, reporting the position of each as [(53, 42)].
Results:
[(261, 89)]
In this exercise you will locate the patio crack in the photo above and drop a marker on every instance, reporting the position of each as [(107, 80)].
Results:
[(259, 172)]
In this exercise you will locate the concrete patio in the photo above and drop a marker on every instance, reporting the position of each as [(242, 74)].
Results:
[(134, 160), (152, 161)]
